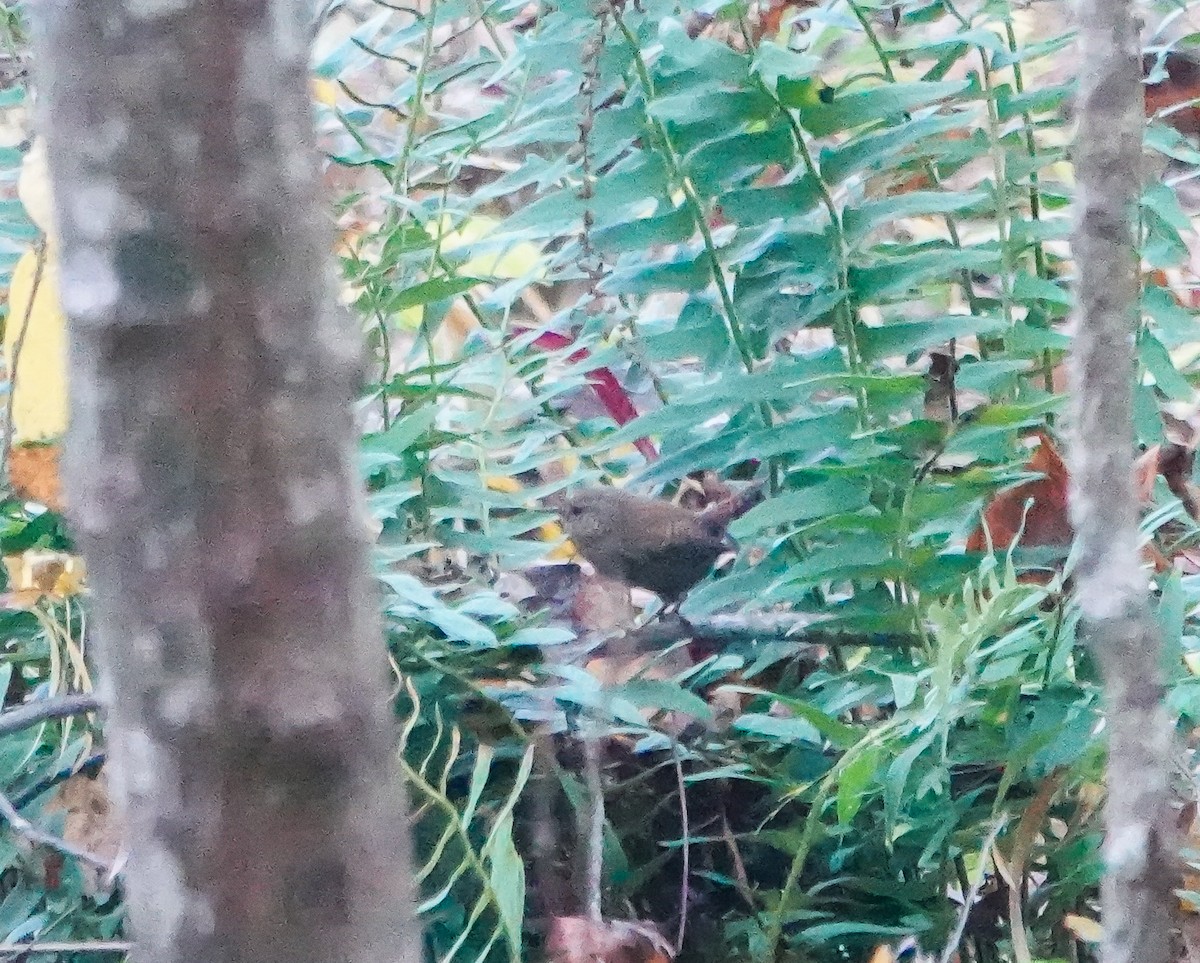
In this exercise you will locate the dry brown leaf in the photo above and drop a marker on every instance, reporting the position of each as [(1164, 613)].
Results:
[(577, 939), (34, 472), (1047, 519), (91, 824), (1046, 522), (1145, 471), (1178, 90)]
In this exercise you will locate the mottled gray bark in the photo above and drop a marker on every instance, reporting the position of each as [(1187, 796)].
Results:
[(212, 487), (1139, 849)]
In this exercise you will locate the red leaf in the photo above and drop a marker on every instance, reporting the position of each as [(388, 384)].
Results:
[(609, 390)]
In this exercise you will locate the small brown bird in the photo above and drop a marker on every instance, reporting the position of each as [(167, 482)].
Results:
[(650, 543)]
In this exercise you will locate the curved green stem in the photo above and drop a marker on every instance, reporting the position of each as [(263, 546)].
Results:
[(733, 322)]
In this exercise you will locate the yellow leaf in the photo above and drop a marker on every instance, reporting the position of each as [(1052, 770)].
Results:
[(513, 262), (1084, 928), (36, 323), (38, 573), (552, 532), (502, 483), (547, 531), (33, 188), (324, 91)]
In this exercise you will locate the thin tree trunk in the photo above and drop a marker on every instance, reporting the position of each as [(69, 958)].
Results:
[(1139, 850), (212, 487)]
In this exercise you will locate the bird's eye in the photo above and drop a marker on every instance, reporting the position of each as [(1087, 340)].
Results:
[(574, 511)]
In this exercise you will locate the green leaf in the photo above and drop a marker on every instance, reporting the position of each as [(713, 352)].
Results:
[(906, 337), (878, 150), (1175, 324), (826, 932), (663, 695), (19, 904), (757, 205), (775, 728), (429, 292), (838, 733), (832, 497), (898, 772), (1170, 613), (823, 113), (672, 227), (508, 880), (403, 434), (774, 62), (899, 275), (854, 779), (684, 272), (1163, 201), (1154, 357), (869, 215), (457, 627), (1030, 289)]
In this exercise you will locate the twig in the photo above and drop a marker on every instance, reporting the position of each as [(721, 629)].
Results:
[(39, 836), (687, 848), (803, 630), (82, 946), (31, 713), (89, 768), (595, 834), (1018, 861), (18, 346), (970, 896), (740, 876)]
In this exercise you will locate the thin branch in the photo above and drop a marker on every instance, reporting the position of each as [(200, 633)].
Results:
[(62, 707), (395, 58), (972, 894), (805, 631), (82, 946), (685, 828), (595, 827), (42, 838), (14, 361), (741, 878)]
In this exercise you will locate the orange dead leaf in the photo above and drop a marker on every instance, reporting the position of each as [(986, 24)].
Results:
[(771, 18), (1175, 462), (1045, 522), (1145, 470), (34, 472), (1180, 87), (91, 824)]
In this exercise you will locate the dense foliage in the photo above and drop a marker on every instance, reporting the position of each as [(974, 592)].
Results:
[(643, 241)]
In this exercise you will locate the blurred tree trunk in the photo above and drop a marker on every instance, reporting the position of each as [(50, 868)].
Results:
[(212, 487), (1141, 859)]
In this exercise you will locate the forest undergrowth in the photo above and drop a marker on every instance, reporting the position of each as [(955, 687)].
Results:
[(820, 246)]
